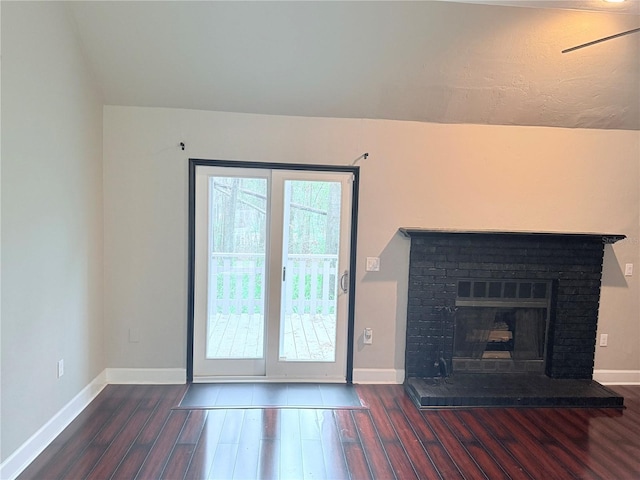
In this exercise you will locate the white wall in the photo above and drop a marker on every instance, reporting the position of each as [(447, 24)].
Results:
[(417, 174), (51, 219), (439, 176)]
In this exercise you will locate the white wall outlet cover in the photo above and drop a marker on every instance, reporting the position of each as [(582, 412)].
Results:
[(628, 270), (373, 264), (134, 335), (368, 336)]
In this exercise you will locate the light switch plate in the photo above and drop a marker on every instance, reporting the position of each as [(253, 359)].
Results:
[(373, 264), (604, 339), (628, 270), (368, 336)]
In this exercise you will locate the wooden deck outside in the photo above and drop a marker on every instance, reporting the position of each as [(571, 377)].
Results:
[(306, 337)]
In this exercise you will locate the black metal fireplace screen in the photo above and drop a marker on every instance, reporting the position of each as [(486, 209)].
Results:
[(501, 319)]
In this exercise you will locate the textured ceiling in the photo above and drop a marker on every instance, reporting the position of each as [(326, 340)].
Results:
[(625, 7), (430, 61)]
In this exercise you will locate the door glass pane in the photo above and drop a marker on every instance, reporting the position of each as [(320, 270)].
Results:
[(311, 235), (237, 247)]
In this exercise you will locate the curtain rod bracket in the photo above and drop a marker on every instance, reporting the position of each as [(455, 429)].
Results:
[(363, 156)]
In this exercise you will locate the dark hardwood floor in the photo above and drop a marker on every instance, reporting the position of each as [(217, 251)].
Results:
[(132, 432)]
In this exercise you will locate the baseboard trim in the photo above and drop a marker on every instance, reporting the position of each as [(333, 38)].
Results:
[(29, 450), (147, 376), (617, 377), (378, 375)]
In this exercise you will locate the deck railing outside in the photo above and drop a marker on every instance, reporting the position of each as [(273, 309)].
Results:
[(237, 283)]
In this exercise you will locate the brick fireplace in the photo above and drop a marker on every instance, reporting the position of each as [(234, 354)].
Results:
[(545, 285)]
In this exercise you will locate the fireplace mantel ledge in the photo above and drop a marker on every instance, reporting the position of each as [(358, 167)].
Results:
[(607, 238)]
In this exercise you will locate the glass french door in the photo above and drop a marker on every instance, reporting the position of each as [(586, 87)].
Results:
[(271, 274)]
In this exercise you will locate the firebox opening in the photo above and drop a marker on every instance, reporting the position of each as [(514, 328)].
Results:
[(501, 325)]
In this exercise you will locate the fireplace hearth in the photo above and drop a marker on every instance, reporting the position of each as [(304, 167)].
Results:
[(502, 303)]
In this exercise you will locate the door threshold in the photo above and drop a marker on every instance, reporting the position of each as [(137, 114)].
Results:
[(263, 379)]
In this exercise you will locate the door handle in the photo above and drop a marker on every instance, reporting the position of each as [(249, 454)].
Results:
[(344, 281)]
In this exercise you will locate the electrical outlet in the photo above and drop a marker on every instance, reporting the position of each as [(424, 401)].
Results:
[(134, 335), (368, 336), (604, 339), (60, 368)]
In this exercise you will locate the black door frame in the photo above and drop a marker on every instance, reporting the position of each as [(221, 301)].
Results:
[(195, 162)]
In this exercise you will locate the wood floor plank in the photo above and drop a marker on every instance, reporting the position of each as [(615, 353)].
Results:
[(57, 459), (117, 422), (170, 398), (162, 448), (631, 416), (527, 448), (577, 468), (490, 468), (232, 426), (131, 431), (271, 424), (98, 445), (312, 462), (392, 445), (131, 463), (381, 420), (388, 394), (494, 447), (486, 418), (309, 424), (454, 448), (356, 461), (418, 456), (202, 458), (224, 462), (70, 443), (551, 417), (457, 427), (108, 464), (372, 446), (192, 427), (628, 392), (536, 430), (443, 463), (247, 459), (399, 460), (249, 445), (620, 463), (437, 453), (570, 441), (569, 449), (178, 462), (612, 429), (85, 463), (425, 433), (290, 444), (332, 451), (269, 459), (346, 426)]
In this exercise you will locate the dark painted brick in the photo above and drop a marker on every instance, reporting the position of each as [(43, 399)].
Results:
[(438, 260)]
